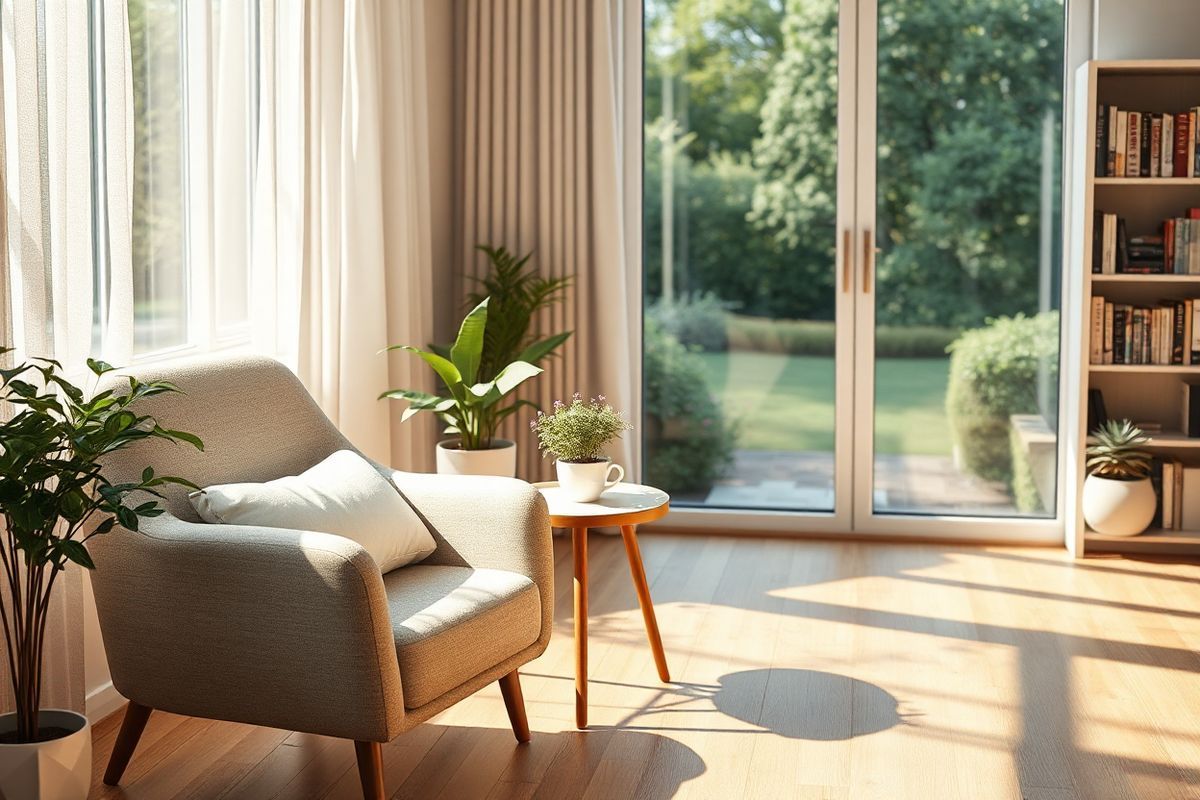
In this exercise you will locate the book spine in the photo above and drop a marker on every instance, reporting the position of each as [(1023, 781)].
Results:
[(1188, 331), (1129, 334), (1190, 165), (1122, 138), (1110, 131), (1122, 246), (1096, 348), (1177, 340), (1133, 145), (1101, 154), (1168, 143), (1138, 335), (1107, 358), (1182, 136), (1144, 142), (1168, 246), (1156, 146)]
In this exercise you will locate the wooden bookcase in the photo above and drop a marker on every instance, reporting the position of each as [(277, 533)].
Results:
[(1139, 392)]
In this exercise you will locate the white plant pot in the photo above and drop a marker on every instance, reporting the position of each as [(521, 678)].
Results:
[(1118, 508), (59, 769), (585, 482), (499, 460)]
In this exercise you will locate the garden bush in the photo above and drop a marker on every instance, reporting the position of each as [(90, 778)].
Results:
[(816, 338), (689, 443), (993, 375), (696, 320)]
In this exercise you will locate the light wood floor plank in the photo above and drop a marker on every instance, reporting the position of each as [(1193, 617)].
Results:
[(817, 670)]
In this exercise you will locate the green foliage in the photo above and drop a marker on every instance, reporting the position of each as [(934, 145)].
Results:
[(1117, 452), (54, 496), (1025, 493), (579, 431), (473, 410), (689, 444), (818, 338), (994, 373), (697, 320), (515, 295)]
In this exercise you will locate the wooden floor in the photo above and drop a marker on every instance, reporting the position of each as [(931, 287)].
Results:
[(802, 670)]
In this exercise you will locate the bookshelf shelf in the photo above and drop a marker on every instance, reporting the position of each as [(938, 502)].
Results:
[(1148, 392)]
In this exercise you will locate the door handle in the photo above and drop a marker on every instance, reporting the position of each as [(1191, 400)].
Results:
[(847, 261), (868, 261)]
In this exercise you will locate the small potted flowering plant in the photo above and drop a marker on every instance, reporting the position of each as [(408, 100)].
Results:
[(575, 434)]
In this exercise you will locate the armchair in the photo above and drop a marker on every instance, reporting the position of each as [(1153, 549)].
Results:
[(298, 629)]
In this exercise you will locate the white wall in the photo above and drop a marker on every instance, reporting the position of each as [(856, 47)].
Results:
[(1126, 29)]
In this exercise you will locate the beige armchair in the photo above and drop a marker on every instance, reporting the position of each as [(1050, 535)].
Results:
[(298, 630)]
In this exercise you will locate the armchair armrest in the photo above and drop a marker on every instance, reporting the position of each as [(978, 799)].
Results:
[(283, 628), (487, 522)]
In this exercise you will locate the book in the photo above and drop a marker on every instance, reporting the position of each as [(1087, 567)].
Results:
[(1188, 330), (1097, 415), (1177, 332), (1189, 417), (1122, 253), (1107, 356), (1156, 480), (1101, 154), (1195, 332), (1122, 142), (1144, 142), (1110, 131), (1189, 512), (1096, 346), (1156, 121), (1168, 494), (1133, 145), (1119, 333), (1183, 134), (1168, 139), (1190, 166)]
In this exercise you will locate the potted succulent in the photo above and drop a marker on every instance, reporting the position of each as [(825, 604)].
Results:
[(576, 434), (496, 341), (1118, 497), (53, 499)]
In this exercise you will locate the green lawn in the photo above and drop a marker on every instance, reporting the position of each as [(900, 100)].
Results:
[(786, 402)]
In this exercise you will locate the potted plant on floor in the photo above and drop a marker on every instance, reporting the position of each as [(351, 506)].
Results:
[(577, 434), (497, 338), (1118, 497), (53, 499)]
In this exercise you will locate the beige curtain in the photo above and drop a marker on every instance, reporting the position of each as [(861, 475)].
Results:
[(65, 271), (341, 239), (544, 159)]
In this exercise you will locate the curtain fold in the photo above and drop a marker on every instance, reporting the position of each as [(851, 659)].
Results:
[(66, 282), (342, 235), (542, 164)]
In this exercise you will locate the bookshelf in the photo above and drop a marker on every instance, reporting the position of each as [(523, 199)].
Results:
[(1141, 392)]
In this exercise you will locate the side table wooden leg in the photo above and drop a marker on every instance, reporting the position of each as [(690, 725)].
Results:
[(579, 552), (629, 534)]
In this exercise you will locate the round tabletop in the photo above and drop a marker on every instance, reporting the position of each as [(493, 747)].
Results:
[(624, 504)]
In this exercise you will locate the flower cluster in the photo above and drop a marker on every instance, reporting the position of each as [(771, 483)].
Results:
[(577, 432)]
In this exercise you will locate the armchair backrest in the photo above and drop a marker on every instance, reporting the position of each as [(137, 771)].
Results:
[(256, 419)]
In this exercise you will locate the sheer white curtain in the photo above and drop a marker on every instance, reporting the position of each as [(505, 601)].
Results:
[(65, 273), (342, 238), (547, 145)]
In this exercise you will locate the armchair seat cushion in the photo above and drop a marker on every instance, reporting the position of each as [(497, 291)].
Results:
[(454, 623)]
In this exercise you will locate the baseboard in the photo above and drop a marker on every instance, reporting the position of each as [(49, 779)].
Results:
[(102, 701)]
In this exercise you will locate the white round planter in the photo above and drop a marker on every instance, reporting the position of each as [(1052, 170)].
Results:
[(1118, 508), (59, 769), (499, 460), (585, 482)]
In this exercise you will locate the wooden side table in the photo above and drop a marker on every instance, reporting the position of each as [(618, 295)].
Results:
[(626, 505)]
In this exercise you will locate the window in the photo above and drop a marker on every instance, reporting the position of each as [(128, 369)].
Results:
[(195, 108)]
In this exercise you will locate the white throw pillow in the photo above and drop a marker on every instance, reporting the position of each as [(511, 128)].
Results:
[(343, 494)]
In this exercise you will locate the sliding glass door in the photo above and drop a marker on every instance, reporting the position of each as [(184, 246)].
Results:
[(852, 257)]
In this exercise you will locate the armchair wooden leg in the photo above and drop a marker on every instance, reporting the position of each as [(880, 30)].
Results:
[(370, 769), (514, 701), (127, 740)]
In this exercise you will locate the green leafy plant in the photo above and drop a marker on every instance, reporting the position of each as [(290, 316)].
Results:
[(473, 409), (515, 295), (54, 497), (577, 432), (1116, 452)]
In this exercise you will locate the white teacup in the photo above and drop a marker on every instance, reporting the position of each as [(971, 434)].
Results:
[(585, 482)]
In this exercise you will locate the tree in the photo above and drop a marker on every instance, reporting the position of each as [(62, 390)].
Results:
[(964, 89)]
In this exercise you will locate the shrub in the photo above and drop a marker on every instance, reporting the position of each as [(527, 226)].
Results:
[(578, 431), (689, 443), (817, 337), (696, 320), (993, 375)]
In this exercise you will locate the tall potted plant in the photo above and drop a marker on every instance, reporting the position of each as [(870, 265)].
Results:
[(1118, 497), (53, 499), (497, 340)]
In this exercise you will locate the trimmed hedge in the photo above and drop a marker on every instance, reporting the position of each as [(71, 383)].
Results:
[(817, 337), (993, 375)]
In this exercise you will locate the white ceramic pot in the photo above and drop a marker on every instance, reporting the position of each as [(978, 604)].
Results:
[(58, 769), (1118, 508), (500, 460), (585, 482)]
